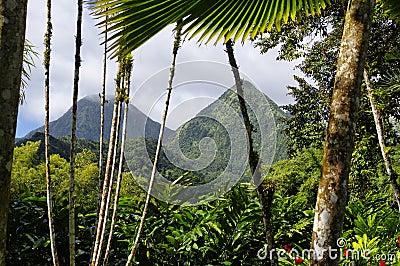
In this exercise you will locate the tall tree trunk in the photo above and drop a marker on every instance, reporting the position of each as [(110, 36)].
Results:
[(177, 43), (110, 184), (78, 44), (128, 70), (47, 52), (102, 216), (339, 143), (379, 130), (101, 140), (102, 106), (265, 190), (12, 38)]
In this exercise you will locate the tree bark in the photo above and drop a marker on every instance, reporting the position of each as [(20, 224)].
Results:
[(159, 143), (339, 144), (379, 130), (128, 70), (78, 44), (12, 38), (265, 190), (102, 216), (102, 106), (110, 184), (47, 52)]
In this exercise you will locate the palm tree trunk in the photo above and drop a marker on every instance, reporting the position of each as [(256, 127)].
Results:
[(78, 44), (107, 175), (101, 141), (102, 106), (12, 38), (339, 143), (264, 191), (177, 43), (379, 130), (47, 41), (128, 70), (105, 192), (110, 184)]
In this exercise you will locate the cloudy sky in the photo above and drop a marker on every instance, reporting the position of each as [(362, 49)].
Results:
[(271, 76)]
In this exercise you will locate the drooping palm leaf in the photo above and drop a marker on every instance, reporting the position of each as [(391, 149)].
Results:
[(133, 22), (30, 54)]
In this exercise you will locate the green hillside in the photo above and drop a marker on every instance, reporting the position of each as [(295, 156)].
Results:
[(210, 145), (221, 121), (202, 161)]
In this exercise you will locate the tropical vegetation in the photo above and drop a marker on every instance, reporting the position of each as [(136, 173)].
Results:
[(334, 187)]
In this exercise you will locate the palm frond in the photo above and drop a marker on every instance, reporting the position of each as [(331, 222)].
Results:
[(391, 81), (226, 19), (28, 63), (133, 22)]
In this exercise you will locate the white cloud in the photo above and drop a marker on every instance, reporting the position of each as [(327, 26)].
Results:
[(271, 76)]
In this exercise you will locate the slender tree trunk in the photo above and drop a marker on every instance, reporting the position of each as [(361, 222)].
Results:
[(264, 191), (339, 144), (102, 106), (105, 192), (128, 70), (78, 44), (107, 175), (379, 130), (177, 43), (12, 38), (110, 185), (47, 52), (101, 141)]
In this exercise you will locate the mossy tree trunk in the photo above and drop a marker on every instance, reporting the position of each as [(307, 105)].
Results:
[(110, 165), (111, 178), (339, 142), (102, 106), (46, 63), (12, 38), (127, 70), (78, 44), (265, 190), (380, 132)]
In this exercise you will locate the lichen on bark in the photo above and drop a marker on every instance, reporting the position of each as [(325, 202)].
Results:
[(12, 38), (339, 144)]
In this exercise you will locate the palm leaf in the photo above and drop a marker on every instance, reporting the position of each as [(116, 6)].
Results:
[(133, 22), (30, 54), (391, 81), (392, 8)]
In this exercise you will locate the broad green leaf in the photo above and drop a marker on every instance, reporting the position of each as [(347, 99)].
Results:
[(132, 22)]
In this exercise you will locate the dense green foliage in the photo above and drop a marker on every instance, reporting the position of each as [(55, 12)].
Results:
[(306, 127), (28, 176), (228, 231)]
